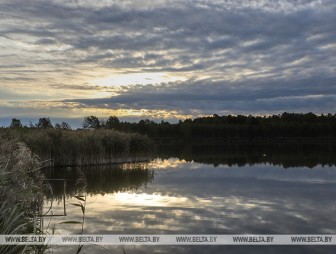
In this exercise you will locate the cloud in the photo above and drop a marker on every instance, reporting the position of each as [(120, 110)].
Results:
[(207, 97), (236, 56)]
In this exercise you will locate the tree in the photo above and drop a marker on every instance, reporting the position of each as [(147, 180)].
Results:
[(112, 123), (91, 122), (31, 125), (44, 123), (16, 123), (63, 126)]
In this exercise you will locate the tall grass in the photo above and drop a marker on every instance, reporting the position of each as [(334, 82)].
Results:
[(85, 147), (21, 191), (12, 221)]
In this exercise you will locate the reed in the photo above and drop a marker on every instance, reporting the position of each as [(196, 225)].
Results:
[(12, 221), (85, 147), (21, 191)]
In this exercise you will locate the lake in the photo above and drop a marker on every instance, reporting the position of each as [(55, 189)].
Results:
[(173, 195)]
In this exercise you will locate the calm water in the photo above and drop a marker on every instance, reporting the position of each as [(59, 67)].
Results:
[(173, 196)]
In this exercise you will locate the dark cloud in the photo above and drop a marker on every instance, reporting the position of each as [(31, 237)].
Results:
[(80, 87), (46, 42), (207, 96)]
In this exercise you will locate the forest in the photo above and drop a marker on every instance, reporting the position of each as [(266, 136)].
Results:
[(220, 128), (224, 128)]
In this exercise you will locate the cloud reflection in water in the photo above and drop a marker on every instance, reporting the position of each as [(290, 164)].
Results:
[(187, 197)]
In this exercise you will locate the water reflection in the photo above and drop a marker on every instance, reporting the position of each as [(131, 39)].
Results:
[(190, 197), (101, 179), (285, 155)]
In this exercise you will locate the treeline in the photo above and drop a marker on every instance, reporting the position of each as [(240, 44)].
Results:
[(220, 128), (286, 125), (244, 127), (43, 123)]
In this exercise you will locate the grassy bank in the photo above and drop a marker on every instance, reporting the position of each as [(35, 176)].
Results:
[(83, 147), (21, 192)]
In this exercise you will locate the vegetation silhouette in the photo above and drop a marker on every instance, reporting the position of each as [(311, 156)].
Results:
[(279, 128)]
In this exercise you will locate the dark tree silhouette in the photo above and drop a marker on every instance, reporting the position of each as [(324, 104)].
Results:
[(229, 127), (16, 123), (91, 122), (44, 123), (112, 123), (63, 126)]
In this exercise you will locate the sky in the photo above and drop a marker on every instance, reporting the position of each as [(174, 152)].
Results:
[(166, 59)]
